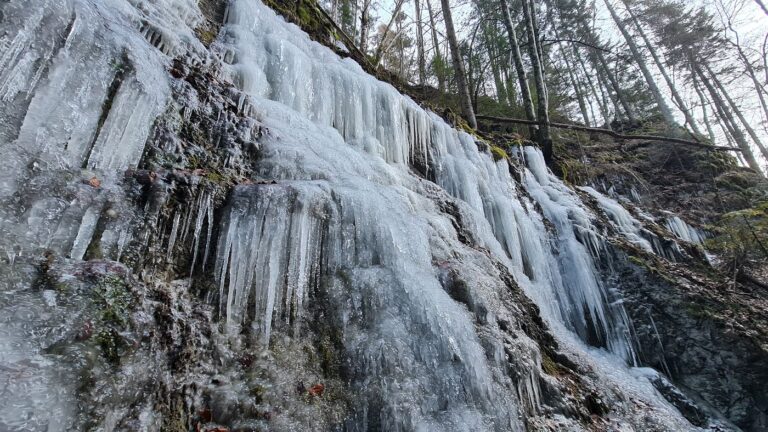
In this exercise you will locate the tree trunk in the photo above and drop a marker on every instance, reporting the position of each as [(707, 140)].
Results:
[(574, 83), (437, 58), (704, 103), (510, 84), (382, 42), (365, 26), (640, 61), (737, 111), (726, 115), (420, 44), (759, 89), (599, 97), (544, 138), (660, 65), (458, 66), (628, 109), (517, 58), (501, 91)]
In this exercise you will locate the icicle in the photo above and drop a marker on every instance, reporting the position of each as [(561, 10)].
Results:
[(85, 232), (172, 237)]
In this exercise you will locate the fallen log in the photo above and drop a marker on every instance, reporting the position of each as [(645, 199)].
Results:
[(611, 133)]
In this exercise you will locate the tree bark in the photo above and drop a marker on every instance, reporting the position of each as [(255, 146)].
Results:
[(501, 91), (662, 68), (458, 66), (420, 44), (735, 109), (726, 115), (382, 42), (517, 58), (544, 138), (599, 97), (704, 103), (437, 57), (365, 25), (640, 61), (628, 110)]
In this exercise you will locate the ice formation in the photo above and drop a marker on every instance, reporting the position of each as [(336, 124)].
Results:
[(347, 215)]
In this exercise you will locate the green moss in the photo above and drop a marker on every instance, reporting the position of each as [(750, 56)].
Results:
[(498, 153), (206, 34), (215, 177), (109, 342), (548, 365), (699, 311)]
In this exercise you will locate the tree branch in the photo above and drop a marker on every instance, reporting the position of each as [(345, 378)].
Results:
[(612, 133)]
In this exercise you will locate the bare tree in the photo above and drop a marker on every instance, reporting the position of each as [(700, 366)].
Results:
[(544, 138), (382, 43), (725, 114), (437, 57), (461, 76), (420, 43), (517, 58)]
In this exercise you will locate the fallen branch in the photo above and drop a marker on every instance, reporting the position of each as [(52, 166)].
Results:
[(612, 133)]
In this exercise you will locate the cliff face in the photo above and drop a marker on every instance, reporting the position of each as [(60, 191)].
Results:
[(212, 222)]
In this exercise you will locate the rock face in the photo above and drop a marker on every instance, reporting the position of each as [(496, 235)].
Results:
[(212, 222)]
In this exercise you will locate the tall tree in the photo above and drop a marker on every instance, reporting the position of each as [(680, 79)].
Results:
[(689, 120), (517, 58), (543, 135), (437, 58), (638, 59), (727, 116), (365, 25), (737, 111), (383, 42), (420, 44), (461, 76)]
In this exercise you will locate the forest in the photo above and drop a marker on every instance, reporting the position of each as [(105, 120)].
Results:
[(692, 70)]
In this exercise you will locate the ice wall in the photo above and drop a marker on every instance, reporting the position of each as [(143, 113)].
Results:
[(348, 213), (408, 266)]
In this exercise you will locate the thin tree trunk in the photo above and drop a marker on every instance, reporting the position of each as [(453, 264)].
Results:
[(517, 58), (637, 56), (510, 85), (630, 112), (662, 68), (501, 91), (599, 97), (759, 89), (437, 56), (420, 44), (726, 115), (365, 25), (458, 66), (704, 103), (737, 111), (382, 42), (575, 84), (544, 138)]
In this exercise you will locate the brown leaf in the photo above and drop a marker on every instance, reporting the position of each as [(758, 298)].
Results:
[(316, 390)]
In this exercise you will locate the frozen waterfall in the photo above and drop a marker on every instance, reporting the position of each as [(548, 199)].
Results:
[(411, 264)]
